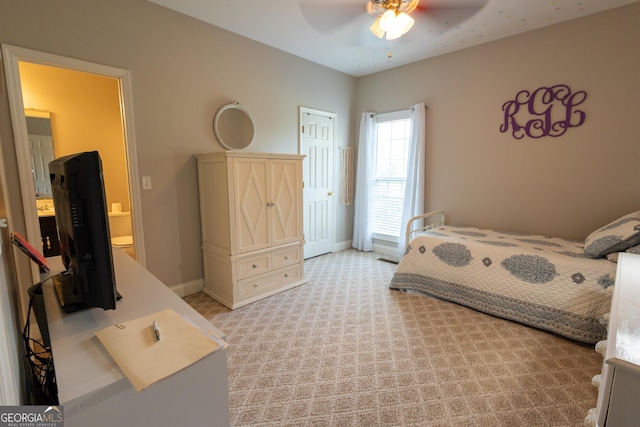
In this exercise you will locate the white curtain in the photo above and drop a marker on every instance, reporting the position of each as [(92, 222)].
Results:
[(362, 235), (415, 183)]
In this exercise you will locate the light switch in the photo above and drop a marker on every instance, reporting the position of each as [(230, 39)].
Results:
[(146, 183)]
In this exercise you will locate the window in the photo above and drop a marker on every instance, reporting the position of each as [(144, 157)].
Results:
[(389, 173)]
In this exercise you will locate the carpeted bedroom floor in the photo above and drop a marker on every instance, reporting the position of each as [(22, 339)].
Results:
[(345, 350)]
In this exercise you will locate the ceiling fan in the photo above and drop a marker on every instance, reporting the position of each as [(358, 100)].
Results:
[(354, 21), (393, 17)]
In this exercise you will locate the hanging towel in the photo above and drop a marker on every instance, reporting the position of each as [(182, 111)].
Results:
[(346, 175)]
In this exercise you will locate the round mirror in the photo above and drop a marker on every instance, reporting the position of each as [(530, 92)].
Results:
[(233, 126)]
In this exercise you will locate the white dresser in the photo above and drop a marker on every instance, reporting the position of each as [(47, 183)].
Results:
[(251, 219), (92, 388), (619, 389)]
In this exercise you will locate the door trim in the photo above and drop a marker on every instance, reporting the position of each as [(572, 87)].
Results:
[(11, 56), (334, 116)]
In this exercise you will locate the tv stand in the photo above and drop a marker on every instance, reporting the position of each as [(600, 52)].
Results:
[(94, 391), (68, 299)]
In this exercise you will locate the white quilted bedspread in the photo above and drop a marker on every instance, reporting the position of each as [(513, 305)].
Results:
[(545, 282)]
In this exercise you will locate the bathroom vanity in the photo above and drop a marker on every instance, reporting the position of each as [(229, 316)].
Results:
[(48, 228)]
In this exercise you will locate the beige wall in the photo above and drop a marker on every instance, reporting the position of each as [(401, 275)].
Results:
[(565, 186), (182, 71), (85, 116)]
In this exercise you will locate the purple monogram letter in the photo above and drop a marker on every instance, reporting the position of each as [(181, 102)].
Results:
[(549, 111)]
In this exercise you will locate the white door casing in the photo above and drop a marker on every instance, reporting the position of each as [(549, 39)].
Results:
[(317, 135), (9, 354), (11, 55)]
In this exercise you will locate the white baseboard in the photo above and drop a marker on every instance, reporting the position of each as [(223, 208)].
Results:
[(341, 246), (189, 288), (389, 251), (378, 248)]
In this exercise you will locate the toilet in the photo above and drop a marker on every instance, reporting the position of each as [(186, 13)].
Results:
[(123, 242), (121, 232)]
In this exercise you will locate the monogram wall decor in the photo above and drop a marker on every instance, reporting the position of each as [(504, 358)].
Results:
[(547, 111)]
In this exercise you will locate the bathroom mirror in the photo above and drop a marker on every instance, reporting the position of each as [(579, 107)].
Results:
[(41, 147), (233, 126)]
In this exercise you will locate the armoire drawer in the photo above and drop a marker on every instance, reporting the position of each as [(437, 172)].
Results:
[(257, 264), (269, 281), (286, 256)]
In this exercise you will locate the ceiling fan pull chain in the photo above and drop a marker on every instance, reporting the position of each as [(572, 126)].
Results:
[(390, 54)]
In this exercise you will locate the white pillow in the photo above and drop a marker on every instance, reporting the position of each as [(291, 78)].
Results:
[(616, 236)]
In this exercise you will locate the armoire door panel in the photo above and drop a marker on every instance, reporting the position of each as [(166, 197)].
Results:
[(285, 218), (251, 215)]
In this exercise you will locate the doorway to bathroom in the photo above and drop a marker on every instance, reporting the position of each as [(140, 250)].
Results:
[(69, 112), (89, 106)]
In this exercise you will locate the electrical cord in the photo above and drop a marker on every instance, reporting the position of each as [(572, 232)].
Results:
[(40, 373)]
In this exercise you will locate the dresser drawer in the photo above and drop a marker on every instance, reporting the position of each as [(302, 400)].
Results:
[(286, 256), (253, 265), (267, 282)]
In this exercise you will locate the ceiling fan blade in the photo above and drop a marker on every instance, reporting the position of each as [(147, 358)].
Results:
[(450, 4), (440, 16), (349, 20), (329, 16)]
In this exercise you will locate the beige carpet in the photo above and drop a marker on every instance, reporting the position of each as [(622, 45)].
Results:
[(344, 350)]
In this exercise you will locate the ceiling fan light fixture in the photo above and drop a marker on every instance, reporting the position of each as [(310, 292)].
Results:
[(403, 23), (409, 5), (376, 29), (400, 25), (388, 20), (392, 35), (394, 23)]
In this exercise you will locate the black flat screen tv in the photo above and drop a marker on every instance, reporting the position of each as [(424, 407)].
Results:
[(77, 185)]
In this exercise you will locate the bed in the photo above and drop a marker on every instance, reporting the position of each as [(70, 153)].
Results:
[(558, 285)]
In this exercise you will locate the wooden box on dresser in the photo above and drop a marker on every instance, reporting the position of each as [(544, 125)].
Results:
[(619, 382), (251, 218)]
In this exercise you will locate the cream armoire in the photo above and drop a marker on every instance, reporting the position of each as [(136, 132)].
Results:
[(251, 217)]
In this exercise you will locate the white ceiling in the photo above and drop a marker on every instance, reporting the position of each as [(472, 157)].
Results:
[(335, 33)]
